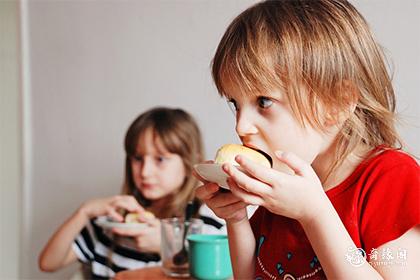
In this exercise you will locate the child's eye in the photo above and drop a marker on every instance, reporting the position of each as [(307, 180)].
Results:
[(160, 159), (137, 158), (232, 105), (264, 102)]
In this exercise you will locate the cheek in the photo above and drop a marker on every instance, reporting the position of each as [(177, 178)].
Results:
[(175, 175), (135, 171), (291, 137), (308, 144)]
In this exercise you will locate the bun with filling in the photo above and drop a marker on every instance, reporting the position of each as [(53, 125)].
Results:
[(228, 152), (134, 217)]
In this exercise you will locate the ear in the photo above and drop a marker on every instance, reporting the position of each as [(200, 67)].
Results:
[(348, 94)]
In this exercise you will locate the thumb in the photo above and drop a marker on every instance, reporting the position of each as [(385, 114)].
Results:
[(298, 165)]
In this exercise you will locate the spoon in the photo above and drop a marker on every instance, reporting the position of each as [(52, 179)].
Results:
[(181, 257)]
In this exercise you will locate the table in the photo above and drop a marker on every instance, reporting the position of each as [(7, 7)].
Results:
[(144, 273)]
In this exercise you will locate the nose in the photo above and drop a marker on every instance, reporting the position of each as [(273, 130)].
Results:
[(245, 124), (146, 167)]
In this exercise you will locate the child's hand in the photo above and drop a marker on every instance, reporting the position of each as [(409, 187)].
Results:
[(109, 207), (294, 196), (147, 239), (224, 204)]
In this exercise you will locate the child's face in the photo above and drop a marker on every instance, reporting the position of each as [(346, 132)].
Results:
[(157, 172), (267, 123)]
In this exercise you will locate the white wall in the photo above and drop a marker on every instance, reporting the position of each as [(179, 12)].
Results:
[(94, 65), (396, 26), (10, 141)]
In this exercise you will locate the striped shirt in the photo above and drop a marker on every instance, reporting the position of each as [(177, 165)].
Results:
[(95, 247)]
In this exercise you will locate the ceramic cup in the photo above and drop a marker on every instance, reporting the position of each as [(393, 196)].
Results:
[(209, 257)]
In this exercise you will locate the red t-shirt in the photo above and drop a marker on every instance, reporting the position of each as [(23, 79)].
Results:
[(377, 203)]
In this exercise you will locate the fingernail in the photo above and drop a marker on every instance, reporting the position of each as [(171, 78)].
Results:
[(279, 153), (214, 187), (225, 167)]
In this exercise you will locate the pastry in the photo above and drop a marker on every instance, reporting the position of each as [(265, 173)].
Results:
[(228, 152)]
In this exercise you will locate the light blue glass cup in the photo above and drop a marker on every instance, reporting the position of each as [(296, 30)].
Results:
[(209, 257)]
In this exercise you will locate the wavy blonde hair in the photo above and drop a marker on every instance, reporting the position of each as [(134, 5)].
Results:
[(324, 58), (180, 135)]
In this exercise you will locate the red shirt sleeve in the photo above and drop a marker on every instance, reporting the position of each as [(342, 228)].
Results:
[(391, 201)]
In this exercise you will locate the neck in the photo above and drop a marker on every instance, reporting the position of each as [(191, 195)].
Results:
[(325, 160), (159, 205)]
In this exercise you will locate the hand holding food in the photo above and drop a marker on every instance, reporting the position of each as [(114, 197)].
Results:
[(111, 207), (213, 172), (144, 228)]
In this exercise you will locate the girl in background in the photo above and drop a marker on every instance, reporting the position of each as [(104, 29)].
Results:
[(310, 88), (162, 145)]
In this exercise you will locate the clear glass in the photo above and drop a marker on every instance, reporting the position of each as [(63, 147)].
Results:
[(171, 244)]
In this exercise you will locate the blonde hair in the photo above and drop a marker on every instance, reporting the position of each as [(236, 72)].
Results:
[(324, 58), (180, 135)]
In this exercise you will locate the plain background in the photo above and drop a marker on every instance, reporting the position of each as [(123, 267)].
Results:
[(74, 74)]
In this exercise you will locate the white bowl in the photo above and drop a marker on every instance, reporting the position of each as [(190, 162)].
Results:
[(213, 172)]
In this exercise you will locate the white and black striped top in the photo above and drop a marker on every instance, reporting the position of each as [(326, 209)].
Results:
[(93, 246)]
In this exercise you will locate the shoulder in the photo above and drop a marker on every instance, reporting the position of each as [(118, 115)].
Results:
[(386, 159), (389, 197), (389, 165), (391, 170)]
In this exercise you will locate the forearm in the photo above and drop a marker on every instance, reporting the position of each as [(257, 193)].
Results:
[(331, 241), (242, 249), (56, 253)]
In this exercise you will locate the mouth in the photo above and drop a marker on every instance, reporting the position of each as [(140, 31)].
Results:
[(267, 156), (147, 186)]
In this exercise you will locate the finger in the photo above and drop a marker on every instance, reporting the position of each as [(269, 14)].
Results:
[(128, 232), (224, 199), (246, 197), (246, 182), (257, 171), (233, 208), (113, 214), (206, 191), (144, 217), (148, 217), (298, 165), (153, 222), (128, 203)]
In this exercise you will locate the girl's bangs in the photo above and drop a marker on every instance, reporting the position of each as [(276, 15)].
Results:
[(169, 141), (246, 73)]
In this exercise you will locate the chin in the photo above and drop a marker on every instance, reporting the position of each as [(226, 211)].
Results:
[(150, 195)]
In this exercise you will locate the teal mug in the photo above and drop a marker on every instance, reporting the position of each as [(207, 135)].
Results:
[(209, 257)]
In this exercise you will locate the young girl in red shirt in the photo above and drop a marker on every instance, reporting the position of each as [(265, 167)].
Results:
[(310, 88)]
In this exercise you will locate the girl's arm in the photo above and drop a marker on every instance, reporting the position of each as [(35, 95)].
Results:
[(331, 243), (58, 251), (241, 238), (408, 245), (242, 249)]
